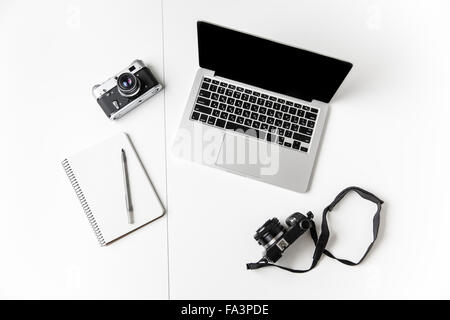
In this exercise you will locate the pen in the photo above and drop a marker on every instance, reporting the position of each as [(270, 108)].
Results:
[(127, 187)]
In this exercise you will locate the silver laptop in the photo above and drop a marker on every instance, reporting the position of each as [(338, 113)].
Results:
[(257, 108)]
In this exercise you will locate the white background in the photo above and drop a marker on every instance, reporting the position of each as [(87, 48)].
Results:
[(387, 131)]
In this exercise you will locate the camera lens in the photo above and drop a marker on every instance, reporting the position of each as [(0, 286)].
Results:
[(269, 232), (128, 84)]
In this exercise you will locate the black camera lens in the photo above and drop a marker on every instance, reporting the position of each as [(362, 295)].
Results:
[(270, 230), (128, 84)]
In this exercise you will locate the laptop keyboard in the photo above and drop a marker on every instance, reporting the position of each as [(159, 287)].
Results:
[(253, 113)]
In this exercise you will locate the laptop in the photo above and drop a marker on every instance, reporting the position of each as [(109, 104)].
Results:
[(257, 108)]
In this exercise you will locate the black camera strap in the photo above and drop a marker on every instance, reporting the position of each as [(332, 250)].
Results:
[(321, 241)]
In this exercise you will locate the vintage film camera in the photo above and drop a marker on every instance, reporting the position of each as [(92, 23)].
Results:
[(126, 90)]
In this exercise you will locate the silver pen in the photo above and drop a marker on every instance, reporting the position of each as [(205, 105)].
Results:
[(127, 187)]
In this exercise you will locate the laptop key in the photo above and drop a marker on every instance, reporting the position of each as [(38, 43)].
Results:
[(278, 123), (232, 117), (223, 84), (288, 134), (229, 92), (230, 109), (195, 115), (306, 108), (223, 99), (203, 101), (305, 130), (238, 111), (311, 124), (286, 117), (284, 108), (238, 103), (237, 95), (286, 125), (292, 110), (252, 99), (213, 88), (216, 113), (300, 113), (311, 116), (260, 101), (241, 128), (221, 90), (270, 120), (224, 115), (246, 105), (216, 82), (294, 127), (205, 85), (220, 123), (211, 120), (214, 104), (215, 96), (302, 137), (244, 97), (203, 118), (277, 106), (246, 114), (202, 109), (288, 144), (230, 101), (254, 108), (222, 106), (314, 110), (296, 145), (303, 121), (204, 93), (304, 149), (262, 118), (240, 120), (254, 116), (207, 79), (256, 124), (264, 126), (248, 122)]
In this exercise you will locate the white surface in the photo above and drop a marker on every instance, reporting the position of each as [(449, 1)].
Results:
[(53, 52), (387, 132)]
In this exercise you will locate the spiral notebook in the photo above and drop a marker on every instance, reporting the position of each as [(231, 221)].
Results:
[(96, 176)]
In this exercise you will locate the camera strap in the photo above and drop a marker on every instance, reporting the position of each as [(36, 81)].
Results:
[(321, 241)]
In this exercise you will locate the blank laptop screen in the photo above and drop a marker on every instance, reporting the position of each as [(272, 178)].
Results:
[(268, 64)]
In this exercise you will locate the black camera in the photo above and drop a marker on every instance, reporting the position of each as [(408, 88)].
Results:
[(127, 90), (275, 238)]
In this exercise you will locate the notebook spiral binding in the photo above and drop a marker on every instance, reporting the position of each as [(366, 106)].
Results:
[(83, 201)]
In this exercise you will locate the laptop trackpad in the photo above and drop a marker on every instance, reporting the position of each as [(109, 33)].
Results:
[(243, 155)]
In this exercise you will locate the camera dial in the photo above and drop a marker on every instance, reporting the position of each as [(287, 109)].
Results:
[(128, 84)]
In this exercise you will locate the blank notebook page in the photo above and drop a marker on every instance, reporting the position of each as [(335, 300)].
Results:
[(97, 177)]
